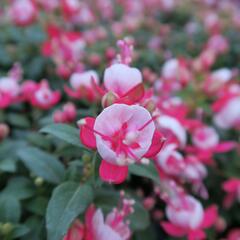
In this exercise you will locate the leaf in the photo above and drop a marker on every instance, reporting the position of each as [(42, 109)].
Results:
[(18, 120), (19, 188), (42, 164), (8, 165), (38, 205), (64, 132), (142, 170), (68, 201), (19, 231), (10, 209), (139, 220)]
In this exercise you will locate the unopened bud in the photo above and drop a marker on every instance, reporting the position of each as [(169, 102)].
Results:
[(108, 99), (38, 181), (4, 131), (6, 228)]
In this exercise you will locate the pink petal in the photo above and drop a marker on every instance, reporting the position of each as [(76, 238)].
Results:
[(231, 185), (196, 235), (173, 230), (225, 147), (72, 93), (86, 133), (210, 216), (156, 146), (112, 173), (133, 95)]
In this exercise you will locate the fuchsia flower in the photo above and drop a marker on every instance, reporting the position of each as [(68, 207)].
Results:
[(227, 111), (83, 85), (76, 232), (175, 73), (10, 89), (232, 188), (206, 142), (114, 227), (122, 84), (67, 115), (172, 164), (234, 234), (23, 12), (40, 95), (173, 130), (188, 218), (75, 11), (66, 49), (129, 138), (217, 80)]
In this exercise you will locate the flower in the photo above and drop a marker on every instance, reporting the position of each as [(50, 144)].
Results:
[(40, 95), (130, 136), (125, 82), (232, 188), (23, 12), (187, 217), (76, 232), (83, 85), (67, 115)]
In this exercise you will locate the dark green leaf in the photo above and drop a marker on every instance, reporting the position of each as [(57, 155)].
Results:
[(64, 132), (42, 164), (67, 202), (10, 210), (142, 170)]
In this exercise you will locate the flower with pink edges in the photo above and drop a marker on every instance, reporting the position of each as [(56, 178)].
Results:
[(232, 188), (187, 217), (113, 227), (40, 95), (130, 138), (66, 115), (227, 111), (206, 142), (66, 49), (23, 12), (83, 85), (174, 131), (76, 231), (234, 234)]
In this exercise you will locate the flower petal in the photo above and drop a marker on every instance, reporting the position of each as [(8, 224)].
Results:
[(112, 173), (87, 134), (157, 144)]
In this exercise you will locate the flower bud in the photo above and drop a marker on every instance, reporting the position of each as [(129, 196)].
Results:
[(4, 131), (38, 181), (6, 228), (108, 99)]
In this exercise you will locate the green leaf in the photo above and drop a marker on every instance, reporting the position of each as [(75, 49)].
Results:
[(8, 165), (19, 231), (142, 170), (68, 201), (42, 164), (10, 209), (19, 188), (18, 120), (139, 220), (38, 205), (64, 132)]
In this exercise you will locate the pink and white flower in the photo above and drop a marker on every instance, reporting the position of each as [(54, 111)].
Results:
[(232, 188), (130, 137), (83, 85), (188, 218), (40, 95), (23, 12)]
